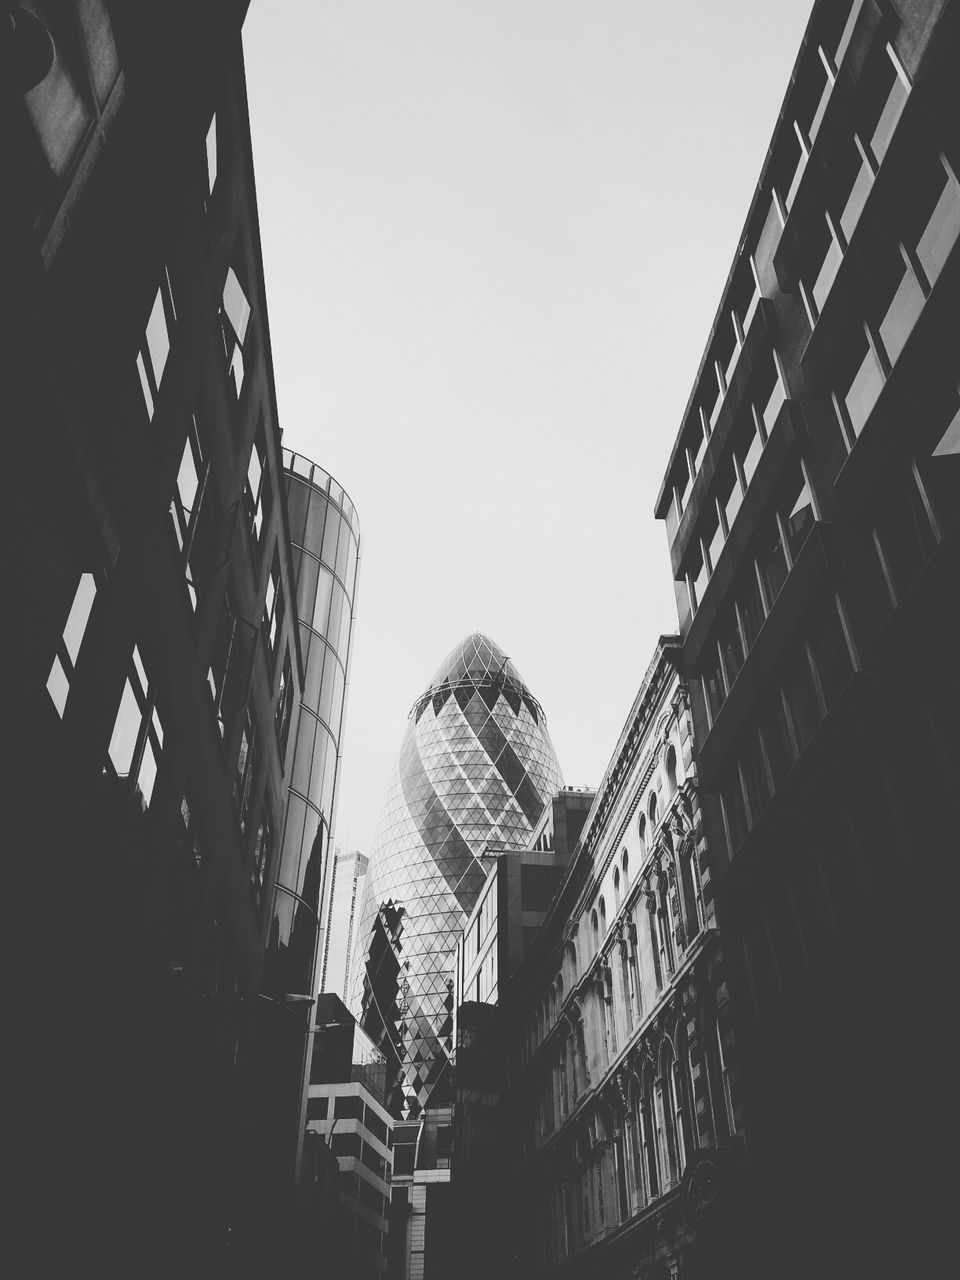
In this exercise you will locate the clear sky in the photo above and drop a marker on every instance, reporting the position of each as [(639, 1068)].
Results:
[(495, 234)]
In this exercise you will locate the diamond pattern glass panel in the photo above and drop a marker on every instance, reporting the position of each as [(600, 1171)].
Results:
[(473, 768)]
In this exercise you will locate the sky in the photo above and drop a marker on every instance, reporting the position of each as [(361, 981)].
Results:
[(495, 233)]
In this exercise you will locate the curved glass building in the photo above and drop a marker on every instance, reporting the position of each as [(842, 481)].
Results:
[(475, 769), (325, 540)]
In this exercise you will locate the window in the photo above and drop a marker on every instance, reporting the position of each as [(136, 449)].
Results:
[(155, 348), (731, 651), (904, 535), (246, 769), (697, 576), (696, 444), (603, 916), (186, 502), (348, 1107), (825, 266), (212, 156), (652, 810), (713, 687), (831, 653), (755, 776), (750, 606), (771, 560), (670, 766), (65, 659), (713, 536), (317, 1108), (775, 732), (855, 179), (137, 738), (256, 491), (889, 86), (734, 810), (770, 395), (285, 700), (730, 496), (595, 925), (273, 604), (616, 886), (800, 695), (262, 850), (642, 834), (747, 450), (798, 517), (234, 319)]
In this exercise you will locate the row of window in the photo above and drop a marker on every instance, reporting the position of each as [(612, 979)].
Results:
[(774, 552), (811, 678)]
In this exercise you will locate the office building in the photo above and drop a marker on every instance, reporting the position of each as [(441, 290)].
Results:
[(621, 1122), (811, 505), (342, 910), (346, 1107), (152, 724)]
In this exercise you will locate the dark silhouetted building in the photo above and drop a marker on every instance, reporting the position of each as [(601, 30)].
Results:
[(151, 727), (811, 504)]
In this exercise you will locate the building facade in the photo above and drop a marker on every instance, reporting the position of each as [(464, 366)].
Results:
[(622, 1120), (811, 505), (346, 1108), (476, 766), (159, 670), (342, 911)]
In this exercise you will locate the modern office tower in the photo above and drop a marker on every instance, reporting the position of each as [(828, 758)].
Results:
[(620, 1120), (157, 671), (347, 879), (811, 505), (346, 1106), (475, 771), (324, 536), (476, 767)]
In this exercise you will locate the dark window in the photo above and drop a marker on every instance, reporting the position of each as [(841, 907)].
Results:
[(776, 736), (798, 516), (754, 775), (801, 696), (831, 653), (905, 535), (731, 650), (731, 795), (771, 560), (348, 1107), (713, 686), (698, 575), (374, 1124), (346, 1144), (751, 606), (731, 495), (374, 1161), (317, 1108), (748, 449), (769, 395)]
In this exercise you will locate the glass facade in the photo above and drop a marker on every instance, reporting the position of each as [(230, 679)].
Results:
[(475, 769), (325, 538)]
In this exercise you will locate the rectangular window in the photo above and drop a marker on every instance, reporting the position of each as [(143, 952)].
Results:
[(801, 696), (751, 607), (776, 736), (831, 653), (155, 347), (905, 536), (698, 575), (771, 560), (713, 686), (754, 775), (65, 658), (798, 517), (734, 809), (317, 1108), (711, 535), (348, 1107), (137, 738), (731, 651)]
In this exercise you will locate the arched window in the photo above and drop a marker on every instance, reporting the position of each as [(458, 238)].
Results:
[(625, 862), (652, 809), (668, 1117), (670, 767), (559, 990), (572, 962), (651, 1156), (642, 833), (553, 1004), (580, 1055), (595, 925), (637, 1152), (664, 932), (603, 916), (616, 886), (690, 885)]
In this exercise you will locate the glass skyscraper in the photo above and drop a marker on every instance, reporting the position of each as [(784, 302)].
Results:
[(474, 771)]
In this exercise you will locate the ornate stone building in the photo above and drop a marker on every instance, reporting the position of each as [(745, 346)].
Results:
[(622, 1108)]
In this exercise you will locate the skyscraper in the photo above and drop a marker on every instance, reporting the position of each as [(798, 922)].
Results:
[(475, 768), (348, 875)]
